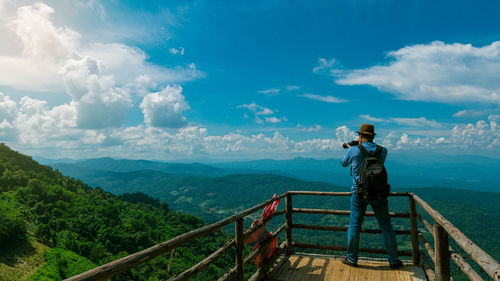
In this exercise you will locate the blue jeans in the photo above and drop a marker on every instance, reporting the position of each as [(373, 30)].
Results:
[(381, 209)]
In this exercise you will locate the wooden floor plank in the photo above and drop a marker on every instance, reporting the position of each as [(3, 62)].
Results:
[(334, 271), (330, 268), (301, 268), (345, 272), (289, 268), (282, 264), (324, 268), (318, 271)]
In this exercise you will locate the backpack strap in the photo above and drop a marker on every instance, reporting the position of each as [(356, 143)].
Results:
[(363, 150), (378, 151)]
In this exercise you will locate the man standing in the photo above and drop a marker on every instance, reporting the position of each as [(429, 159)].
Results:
[(355, 157)]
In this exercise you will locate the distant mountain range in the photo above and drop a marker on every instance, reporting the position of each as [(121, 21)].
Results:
[(219, 190), (422, 170), (457, 171)]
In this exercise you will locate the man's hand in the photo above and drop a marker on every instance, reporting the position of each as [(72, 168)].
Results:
[(348, 145)]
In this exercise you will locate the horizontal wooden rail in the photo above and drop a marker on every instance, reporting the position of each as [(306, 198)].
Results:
[(457, 258), (261, 270), (343, 248), (343, 212), (231, 273), (428, 247), (192, 271), (462, 264), (478, 255), (257, 226), (428, 269), (465, 267), (345, 229), (324, 193), (113, 268), (426, 224), (320, 193), (484, 260), (280, 229)]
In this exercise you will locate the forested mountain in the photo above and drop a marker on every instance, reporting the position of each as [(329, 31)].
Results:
[(409, 171), (125, 165), (405, 170), (215, 198), (85, 227)]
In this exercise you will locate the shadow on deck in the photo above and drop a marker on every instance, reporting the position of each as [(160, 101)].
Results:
[(310, 267)]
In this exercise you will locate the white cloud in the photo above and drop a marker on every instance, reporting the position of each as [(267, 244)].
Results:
[(482, 137), (8, 108), (416, 122), (98, 103), (372, 119), (269, 91), (314, 128), (441, 140), (344, 134), (275, 120), (175, 51), (257, 109), (42, 134), (436, 72), (328, 99), (195, 141), (2, 6), (404, 141), (326, 66), (93, 5), (469, 113), (292, 88), (45, 49), (482, 134), (102, 79), (413, 122), (36, 124), (165, 108), (127, 63)]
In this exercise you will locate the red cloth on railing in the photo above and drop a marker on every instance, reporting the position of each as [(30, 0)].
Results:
[(266, 244)]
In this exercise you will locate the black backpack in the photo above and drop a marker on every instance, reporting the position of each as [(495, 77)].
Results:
[(372, 183)]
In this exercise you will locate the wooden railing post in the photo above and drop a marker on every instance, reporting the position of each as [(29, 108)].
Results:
[(240, 266), (442, 252), (414, 232), (288, 223)]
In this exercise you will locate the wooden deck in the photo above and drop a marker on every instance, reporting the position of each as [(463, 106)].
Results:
[(307, 267)]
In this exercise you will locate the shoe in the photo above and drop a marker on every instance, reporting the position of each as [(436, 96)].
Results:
[(344, 260), (396, 265)]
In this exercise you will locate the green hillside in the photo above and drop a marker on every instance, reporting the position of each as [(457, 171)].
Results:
[(86, 224), (97, 226), (215, 198)]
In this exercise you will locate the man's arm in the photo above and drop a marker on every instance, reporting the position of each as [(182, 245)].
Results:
[(346, 161)]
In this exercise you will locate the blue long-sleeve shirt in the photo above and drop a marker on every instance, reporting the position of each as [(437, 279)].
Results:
[(354, 157)]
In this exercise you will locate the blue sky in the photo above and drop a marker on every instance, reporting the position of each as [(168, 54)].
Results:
[(199, 80)]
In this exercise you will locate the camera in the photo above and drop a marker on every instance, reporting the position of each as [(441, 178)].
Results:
[(352, 143)]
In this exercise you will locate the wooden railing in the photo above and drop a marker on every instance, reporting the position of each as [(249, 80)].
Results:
[(291, 245), (440, 254)]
